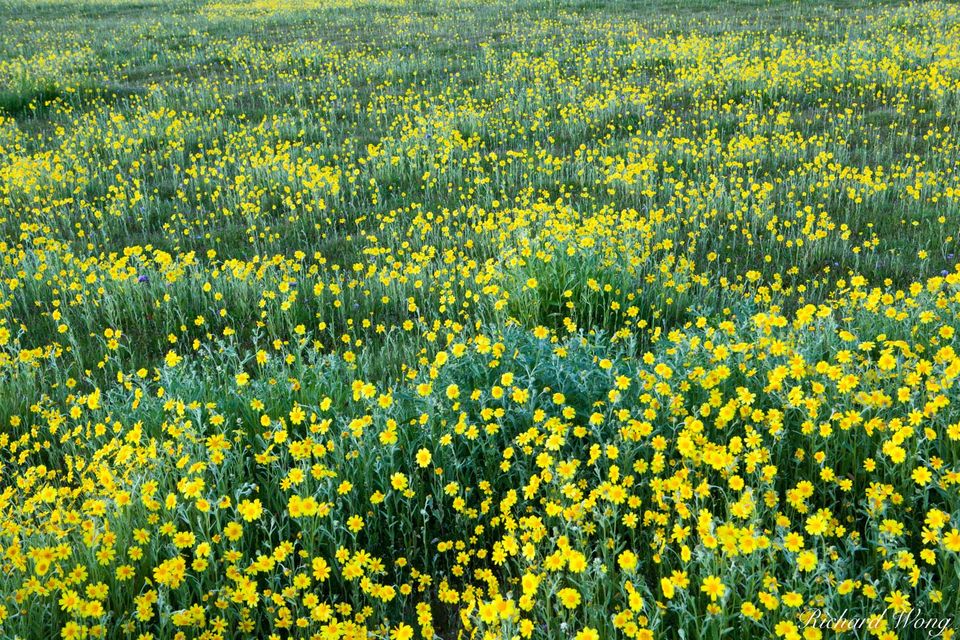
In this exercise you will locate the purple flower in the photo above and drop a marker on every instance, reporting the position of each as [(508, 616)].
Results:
[(143, 279)]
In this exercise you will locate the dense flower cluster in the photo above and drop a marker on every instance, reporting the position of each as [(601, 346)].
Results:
[(398, 320)]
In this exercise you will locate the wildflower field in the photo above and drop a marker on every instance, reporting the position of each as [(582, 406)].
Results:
[(453, 319)]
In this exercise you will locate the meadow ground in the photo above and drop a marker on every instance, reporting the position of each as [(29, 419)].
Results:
[(548, 319)]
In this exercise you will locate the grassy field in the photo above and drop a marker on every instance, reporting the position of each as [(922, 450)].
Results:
[(449, 319)]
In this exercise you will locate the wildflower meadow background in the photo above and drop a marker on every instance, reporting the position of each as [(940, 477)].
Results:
[(451, 319)]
